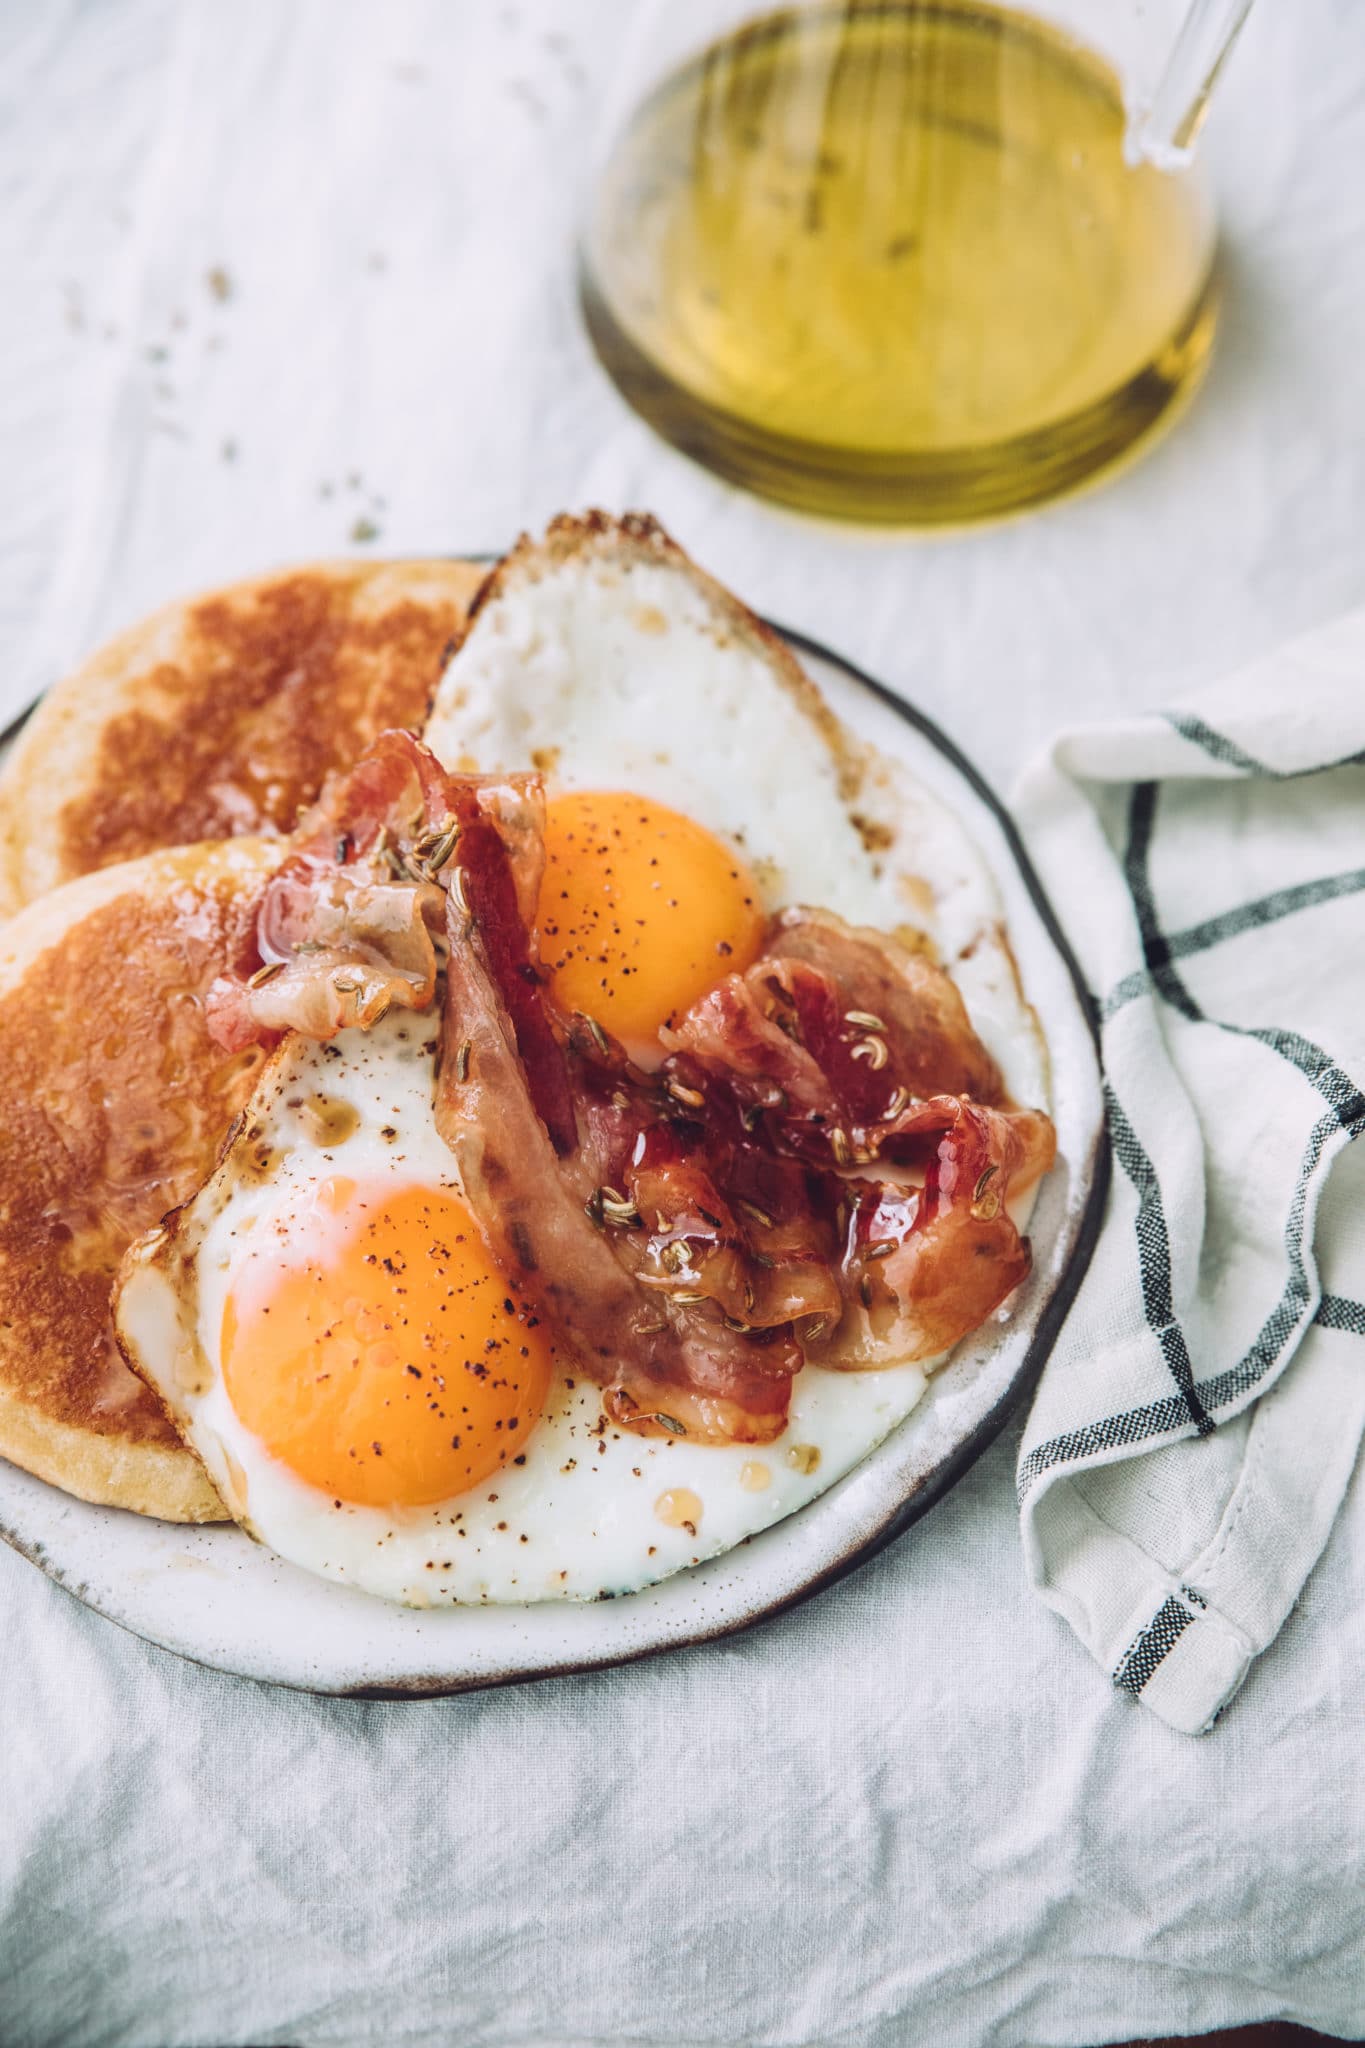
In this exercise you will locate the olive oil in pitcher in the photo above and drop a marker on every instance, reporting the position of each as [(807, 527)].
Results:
[(890, 261)]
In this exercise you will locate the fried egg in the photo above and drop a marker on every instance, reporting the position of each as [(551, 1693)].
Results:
[(324, 1321), (671, 727), (330, 1335)]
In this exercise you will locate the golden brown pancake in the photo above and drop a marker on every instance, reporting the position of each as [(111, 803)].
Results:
[(220, 715), (116, 1104)]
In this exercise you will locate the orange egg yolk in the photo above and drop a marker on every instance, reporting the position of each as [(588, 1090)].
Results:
[(641, 911), (389, 1363)]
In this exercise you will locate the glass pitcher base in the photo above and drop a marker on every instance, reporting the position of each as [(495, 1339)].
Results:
[(939, 487)]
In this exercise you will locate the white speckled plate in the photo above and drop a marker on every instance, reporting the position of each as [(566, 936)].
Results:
[(214, 1595)]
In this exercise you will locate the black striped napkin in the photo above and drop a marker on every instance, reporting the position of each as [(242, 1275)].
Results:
[(1195, 1430)]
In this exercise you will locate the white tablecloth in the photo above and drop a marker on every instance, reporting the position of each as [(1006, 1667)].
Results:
[(276, 266)]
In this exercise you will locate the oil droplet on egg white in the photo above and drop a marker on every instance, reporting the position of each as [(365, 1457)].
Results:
[(679, 1508)]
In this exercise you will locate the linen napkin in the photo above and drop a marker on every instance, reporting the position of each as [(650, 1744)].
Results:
[(1195, 1429)]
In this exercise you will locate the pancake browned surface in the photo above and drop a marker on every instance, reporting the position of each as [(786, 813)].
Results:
[(222, 714), (116, 1103)]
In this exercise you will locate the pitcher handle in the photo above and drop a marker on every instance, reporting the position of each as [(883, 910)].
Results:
[(1164, 133)]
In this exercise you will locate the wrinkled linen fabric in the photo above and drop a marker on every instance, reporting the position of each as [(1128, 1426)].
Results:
[(913, 1810), (1197, 1424), (909, 1811)]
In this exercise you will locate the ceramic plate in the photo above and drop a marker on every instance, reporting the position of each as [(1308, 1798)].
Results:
[(215, 1596)]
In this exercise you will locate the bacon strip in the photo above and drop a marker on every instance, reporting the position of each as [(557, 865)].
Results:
[(360, 948), (665, 1365), (346, 928), (922, 1268), (831, 1033), (719, 1220), (842, 1048), (490, 921), (695, 1233), (743, 1032), (929, 1037)]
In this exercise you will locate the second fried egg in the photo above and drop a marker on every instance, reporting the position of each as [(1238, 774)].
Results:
[(327, 1329)]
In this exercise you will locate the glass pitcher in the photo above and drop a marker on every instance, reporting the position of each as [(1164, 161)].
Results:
[(917, 261)]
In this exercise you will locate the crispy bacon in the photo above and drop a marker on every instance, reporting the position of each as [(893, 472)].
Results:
[(335, 952), (923, 1267), (843, 1049), (346, 928), (688, 1251), (667, 1364), (929, 1037), (486, 916), (744, 1033), (834, 1030), (699, 1209), (697, 1231)]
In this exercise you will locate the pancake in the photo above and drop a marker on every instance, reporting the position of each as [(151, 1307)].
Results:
[(116, 1105), (220, 715)]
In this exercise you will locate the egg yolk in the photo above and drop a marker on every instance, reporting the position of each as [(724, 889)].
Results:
[(641, 911), (389, 1363)]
